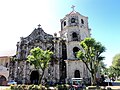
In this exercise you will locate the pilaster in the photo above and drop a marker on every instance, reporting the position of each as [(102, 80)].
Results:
[(16, 68)]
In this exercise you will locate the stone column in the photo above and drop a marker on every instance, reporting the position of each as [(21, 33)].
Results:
[(16, 68), (28, 72), (56, 71), (58, 75), (24, 72), (66, 61)]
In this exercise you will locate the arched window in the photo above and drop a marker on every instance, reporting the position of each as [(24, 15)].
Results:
[(77, 74), (82, 21), (2, 79), (64, 23), (75, 50), (74, 36)]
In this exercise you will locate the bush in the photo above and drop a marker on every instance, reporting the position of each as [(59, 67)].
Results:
[(25, 87), (28, 87), (14, 87), (60, 87), (39, 87), (63, 87), (67, 87), (35, 87)]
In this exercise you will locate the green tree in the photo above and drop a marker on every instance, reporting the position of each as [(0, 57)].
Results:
[(103, 69), (116, 60), (116, 65), (111, 72), (91, 55), (40, 59)]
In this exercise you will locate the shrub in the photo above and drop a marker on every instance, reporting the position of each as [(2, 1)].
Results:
[(14, 87), (60, 87), (28, 87)]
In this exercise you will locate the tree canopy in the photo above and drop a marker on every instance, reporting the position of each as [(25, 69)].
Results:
[(116, 60), (91, 55), (40, 59), (115, 67)]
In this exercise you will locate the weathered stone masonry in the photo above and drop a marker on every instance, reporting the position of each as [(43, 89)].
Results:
[(64, 65)]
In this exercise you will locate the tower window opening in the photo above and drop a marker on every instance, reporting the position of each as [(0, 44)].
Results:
[(64, 51), (64, 23), (82, 21), (6, 65), (75, 50), (72, 20), (74, 36)]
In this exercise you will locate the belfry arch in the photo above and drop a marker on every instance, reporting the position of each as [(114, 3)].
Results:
[(75, 50), (74, 36)]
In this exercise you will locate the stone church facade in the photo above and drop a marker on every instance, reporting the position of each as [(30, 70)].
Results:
[(64, 64)]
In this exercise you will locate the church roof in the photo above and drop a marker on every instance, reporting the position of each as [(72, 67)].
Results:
[(73, 12)]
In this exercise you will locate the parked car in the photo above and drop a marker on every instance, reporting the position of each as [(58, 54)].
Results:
[(11, 82)]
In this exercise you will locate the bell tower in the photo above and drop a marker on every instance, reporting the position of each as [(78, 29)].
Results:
[(74, 28)]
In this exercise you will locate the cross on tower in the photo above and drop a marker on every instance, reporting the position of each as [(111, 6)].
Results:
[(39, 26), (73, 7)]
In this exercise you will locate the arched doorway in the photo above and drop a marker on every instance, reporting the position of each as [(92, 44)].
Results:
[(2, 79), (34, 77), (77, 74)]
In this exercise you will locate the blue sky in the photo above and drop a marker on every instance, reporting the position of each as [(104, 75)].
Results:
[(19, 17)]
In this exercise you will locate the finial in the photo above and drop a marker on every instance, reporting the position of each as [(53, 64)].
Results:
[(39, 26), (73, 7)]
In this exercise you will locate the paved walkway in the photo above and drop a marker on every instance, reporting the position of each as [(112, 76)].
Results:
[(112, 87), (4, 87), (106, 87)]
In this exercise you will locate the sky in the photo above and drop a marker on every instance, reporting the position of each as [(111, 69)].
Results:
[(18, 18)]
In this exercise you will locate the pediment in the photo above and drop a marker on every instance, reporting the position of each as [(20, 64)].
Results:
[(40, 35)]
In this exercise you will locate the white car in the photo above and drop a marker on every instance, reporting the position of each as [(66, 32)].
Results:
[(11, 82)]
